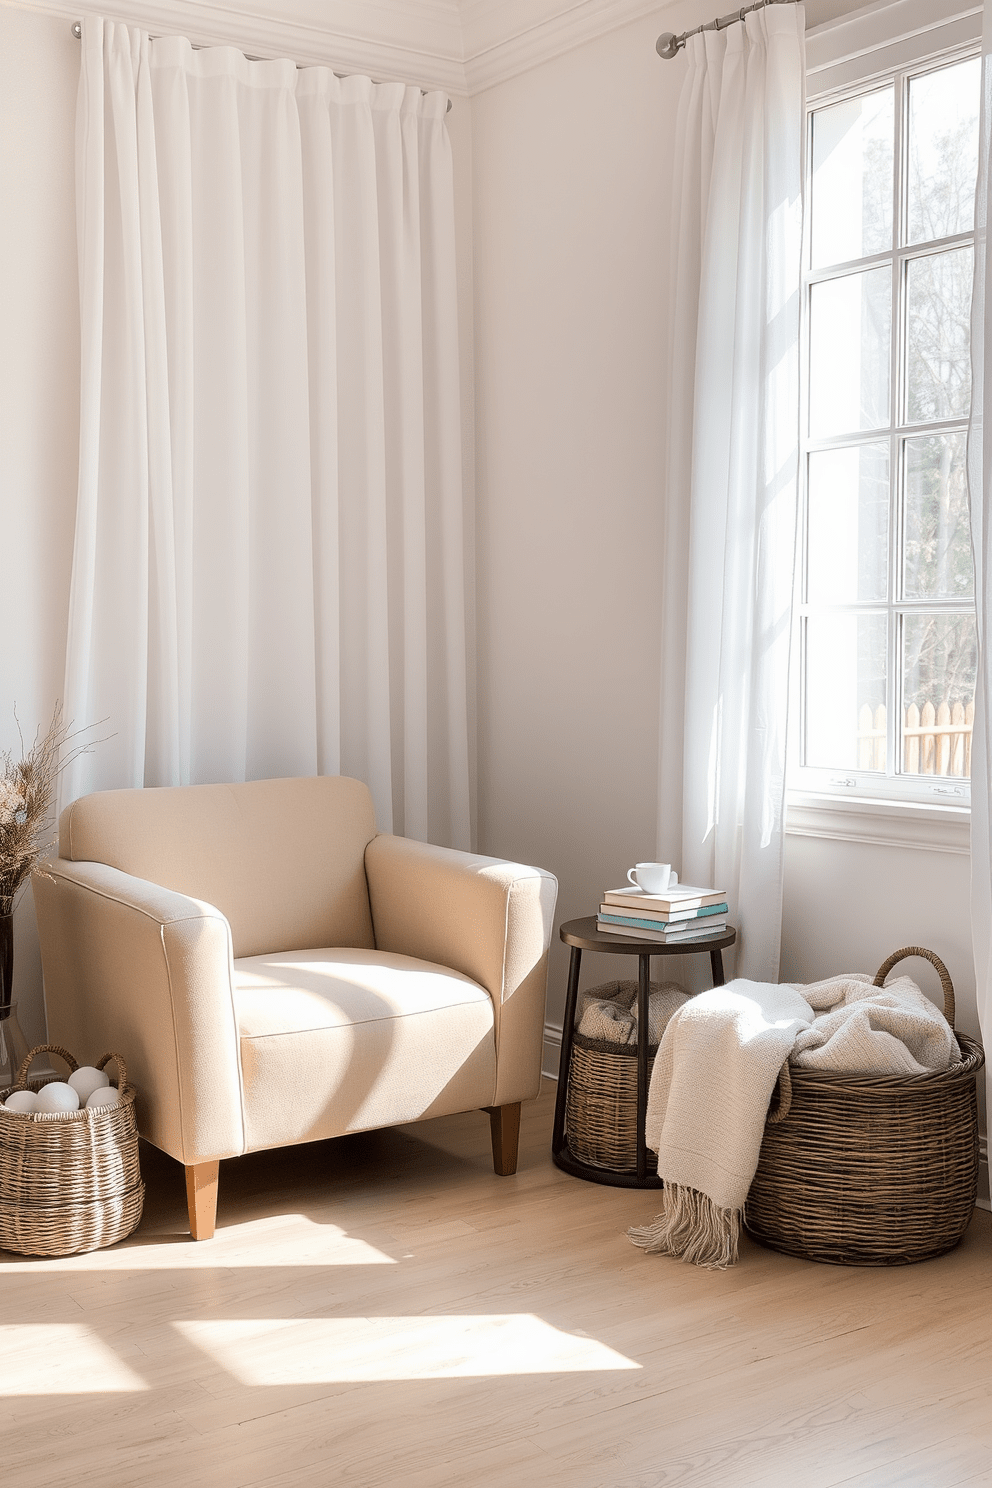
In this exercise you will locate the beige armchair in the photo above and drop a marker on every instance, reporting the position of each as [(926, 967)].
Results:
[(276, 971)]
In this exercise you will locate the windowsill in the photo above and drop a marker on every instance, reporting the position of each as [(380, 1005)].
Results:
[(879, 822)]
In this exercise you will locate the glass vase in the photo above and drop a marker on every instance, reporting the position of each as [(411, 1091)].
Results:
[(13, 1046)]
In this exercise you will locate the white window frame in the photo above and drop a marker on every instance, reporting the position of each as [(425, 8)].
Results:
[(893, 39)]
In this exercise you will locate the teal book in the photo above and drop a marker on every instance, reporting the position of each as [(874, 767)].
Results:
[(614, 915)]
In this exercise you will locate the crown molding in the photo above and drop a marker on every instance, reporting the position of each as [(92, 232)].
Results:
[(418, 41), (502, 38)]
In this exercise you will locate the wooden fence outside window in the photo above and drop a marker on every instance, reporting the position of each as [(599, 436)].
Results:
[(936, 740)]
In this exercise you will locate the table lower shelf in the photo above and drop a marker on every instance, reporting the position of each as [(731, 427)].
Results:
[(568, 1163)]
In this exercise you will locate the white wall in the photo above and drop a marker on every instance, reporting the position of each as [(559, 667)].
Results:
[(39, 396), (572, 178)]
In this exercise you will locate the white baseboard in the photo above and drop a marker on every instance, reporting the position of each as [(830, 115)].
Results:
[(551, 1060), (983, 1173), (551, 1057)]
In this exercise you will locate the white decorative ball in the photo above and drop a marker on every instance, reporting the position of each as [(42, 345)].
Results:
[(21, 1100), (107, 1095), (58, 1096), (85, 1080)]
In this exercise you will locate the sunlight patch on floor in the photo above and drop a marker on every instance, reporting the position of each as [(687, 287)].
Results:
[(310, 1351), (61, 1359), (286, 1240)]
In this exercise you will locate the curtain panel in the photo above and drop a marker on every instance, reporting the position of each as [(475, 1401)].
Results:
[(733, 468), (269, 566), (980, 488)]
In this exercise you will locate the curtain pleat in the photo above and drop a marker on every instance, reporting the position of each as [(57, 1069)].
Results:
[(267, 294), (980, 488), (733, 469)]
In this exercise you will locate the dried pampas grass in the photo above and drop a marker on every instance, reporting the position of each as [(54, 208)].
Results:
[(27, 795)]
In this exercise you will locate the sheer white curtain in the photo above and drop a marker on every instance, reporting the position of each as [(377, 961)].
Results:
[(980, 484), (269, 569), (733, 468)]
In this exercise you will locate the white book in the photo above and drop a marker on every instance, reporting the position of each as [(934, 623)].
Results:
[(683, 896)]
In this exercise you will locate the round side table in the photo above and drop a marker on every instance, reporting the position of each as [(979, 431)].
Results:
[(583, 935)]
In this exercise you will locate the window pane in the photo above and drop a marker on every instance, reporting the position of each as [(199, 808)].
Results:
[(937, 532), (845, 691), (938, 335), (851, 198), (850, 323), (848, 524), (943, 151), (939, 660)]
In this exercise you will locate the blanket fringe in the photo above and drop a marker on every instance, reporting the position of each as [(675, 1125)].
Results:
[(692, 1228)]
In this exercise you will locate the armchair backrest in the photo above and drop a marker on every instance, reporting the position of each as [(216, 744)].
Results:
[(284, 860)]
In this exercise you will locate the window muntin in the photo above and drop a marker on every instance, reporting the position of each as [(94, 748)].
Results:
[(886, 620)]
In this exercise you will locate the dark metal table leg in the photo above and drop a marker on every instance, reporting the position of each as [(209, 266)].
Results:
[(564, 1064), (643, 1034), (716, 962)]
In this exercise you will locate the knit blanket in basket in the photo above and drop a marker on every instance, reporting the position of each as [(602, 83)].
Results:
[(715, 1073), (609, 1012), (893, 1030)]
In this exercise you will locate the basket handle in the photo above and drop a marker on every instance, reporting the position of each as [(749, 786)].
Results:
[(22, 1073), (121, 1068), (947, 985), (783, 1089)]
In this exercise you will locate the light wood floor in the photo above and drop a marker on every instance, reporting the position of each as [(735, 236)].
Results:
[(384, 1310)]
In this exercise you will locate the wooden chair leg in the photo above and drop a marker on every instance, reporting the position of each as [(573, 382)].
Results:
[(504, 1127), (201, 1199)]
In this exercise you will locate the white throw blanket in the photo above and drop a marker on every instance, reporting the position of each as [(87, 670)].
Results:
[(715, 1074)]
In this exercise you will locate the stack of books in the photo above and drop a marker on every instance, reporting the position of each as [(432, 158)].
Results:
[(680, 913)]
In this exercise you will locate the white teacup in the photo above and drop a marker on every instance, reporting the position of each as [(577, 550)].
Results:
[(653, 878)]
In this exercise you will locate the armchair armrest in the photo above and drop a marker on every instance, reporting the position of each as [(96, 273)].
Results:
[(129, 965), (486, 918)]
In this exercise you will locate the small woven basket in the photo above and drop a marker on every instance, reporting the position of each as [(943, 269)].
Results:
[(68, 1182), (601, 1106), (858, 1169), (601, 1101)]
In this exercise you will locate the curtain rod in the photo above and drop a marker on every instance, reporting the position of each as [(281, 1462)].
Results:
[(77, 31), (669, 45)]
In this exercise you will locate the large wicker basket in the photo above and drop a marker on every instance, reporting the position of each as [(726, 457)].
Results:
[(870, 1170), (70, 1182)]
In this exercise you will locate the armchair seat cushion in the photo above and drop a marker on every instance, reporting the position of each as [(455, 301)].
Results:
[(342, 1040)]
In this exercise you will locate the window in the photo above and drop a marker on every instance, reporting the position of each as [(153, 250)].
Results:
[(886, 630)]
